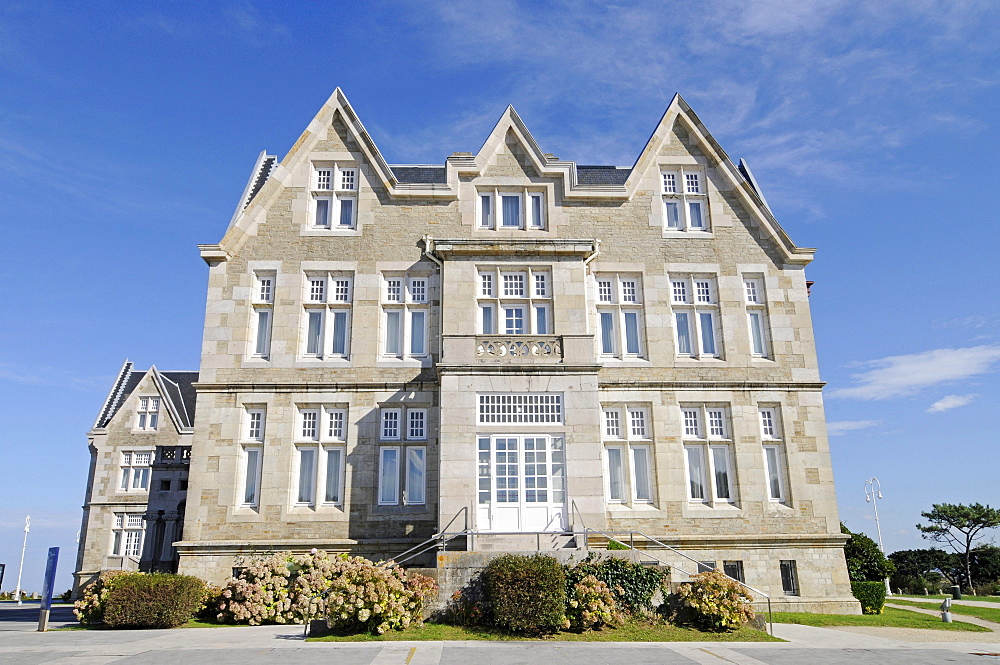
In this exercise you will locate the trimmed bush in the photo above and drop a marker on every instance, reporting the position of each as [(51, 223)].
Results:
[(615, 545), (712, 601), (528, 593), (157, 600), (633, 585), (592, 605), (871, 595)]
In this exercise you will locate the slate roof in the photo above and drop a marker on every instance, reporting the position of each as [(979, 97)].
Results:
[(178, 386), (601, 175), (420, 174)]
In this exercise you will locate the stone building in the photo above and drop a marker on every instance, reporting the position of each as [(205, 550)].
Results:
[(509, 343)]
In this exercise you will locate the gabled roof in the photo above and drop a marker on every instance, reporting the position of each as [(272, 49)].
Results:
[(176, 389), (580, 183)]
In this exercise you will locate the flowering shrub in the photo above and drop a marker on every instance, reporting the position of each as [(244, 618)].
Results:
[(591, 605), (260, 593), (633, 585), (712, 601), (364, 596), (89, 610)]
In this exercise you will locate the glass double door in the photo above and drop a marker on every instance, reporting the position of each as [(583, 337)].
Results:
[(522, 483)]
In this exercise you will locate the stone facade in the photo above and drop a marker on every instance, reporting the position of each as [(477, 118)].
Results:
[(393, 351)]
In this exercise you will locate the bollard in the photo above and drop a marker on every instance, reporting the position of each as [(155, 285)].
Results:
[(946, 610), (956, 592)]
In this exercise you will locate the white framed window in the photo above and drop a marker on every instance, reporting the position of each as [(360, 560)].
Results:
[(262, 309), (134, 470), (697, 329), (255, 421), (128, 534), (390, 429), (334, 197), (320, 450), (684, 200), (757, 322), (407, 484), (416, 424), (708, 456), (327, 315), (503, 408), (515, 302), (775, 461), (405, 316), (147, 414), (628, 455), (511, 209), (620, 316)]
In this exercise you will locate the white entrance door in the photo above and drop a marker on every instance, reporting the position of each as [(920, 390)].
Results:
[(522, 483)]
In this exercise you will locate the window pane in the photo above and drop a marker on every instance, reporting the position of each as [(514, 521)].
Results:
[(640, 467), (733, 569), (673, 215), (683, 334), (250, 482), (486, 211), (615, 475), (789, 578), (125, 477), (720, 458), (694, 209), (756, 333), (696, 471), (511, 210), (489, 326), (607, 333), (536, 211), (415, 475), (340, 333), (773, 472), (707, 334), (632, 333), (307, 466), (347, 212), (322, 212), (334, 458), (541, 321), (417, 333), (388, 475), (514, 320), (393, 333), (263, 332), (314, 333)]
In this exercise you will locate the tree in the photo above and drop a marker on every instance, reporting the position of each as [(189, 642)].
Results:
[(865, 560), (985, 563), (924, 568), (959, 527)]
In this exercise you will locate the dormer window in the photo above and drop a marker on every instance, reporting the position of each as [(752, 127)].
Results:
[(511, 209), (685, 202), (334, 197)]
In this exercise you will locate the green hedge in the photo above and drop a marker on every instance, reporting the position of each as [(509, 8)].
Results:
[(871, 595), (158, 600), (527, 593), (632, 584)]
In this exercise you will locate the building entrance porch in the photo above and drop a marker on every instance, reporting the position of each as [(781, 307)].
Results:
[(521, 483)]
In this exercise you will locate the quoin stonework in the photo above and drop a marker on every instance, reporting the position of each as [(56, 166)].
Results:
[(525, 351)]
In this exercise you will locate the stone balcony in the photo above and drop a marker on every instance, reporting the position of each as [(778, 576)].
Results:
[(517, 350)]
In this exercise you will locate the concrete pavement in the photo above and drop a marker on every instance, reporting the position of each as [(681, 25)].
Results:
[(20, 644)]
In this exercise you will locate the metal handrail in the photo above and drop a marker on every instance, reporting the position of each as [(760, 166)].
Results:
[(435, 540), (608, 535)]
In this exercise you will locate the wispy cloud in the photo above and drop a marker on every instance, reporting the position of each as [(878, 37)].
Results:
[(951, 402), (839, 427), (898, 376)]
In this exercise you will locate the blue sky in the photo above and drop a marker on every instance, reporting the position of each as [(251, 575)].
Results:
[(128, 130)]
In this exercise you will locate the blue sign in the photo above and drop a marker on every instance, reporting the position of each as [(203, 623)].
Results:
[(50, 578)]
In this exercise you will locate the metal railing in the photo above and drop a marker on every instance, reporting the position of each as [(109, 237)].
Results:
[(440, 539), (631, 534)]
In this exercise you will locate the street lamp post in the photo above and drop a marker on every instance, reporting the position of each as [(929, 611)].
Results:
[(27, 528), (873, 492)]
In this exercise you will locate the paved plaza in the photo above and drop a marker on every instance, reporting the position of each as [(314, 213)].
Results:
[(21, 644)]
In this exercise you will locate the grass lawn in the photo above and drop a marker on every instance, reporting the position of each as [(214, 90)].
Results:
[(633, 632), (987, 613), (890, 617), (989, 599)]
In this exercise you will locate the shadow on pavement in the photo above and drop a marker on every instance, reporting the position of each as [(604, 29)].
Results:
[(28, 613)]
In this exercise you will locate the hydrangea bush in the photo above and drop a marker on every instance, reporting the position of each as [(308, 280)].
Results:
[(89, 610), (365, 596), (712, 601), (590, 604)]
